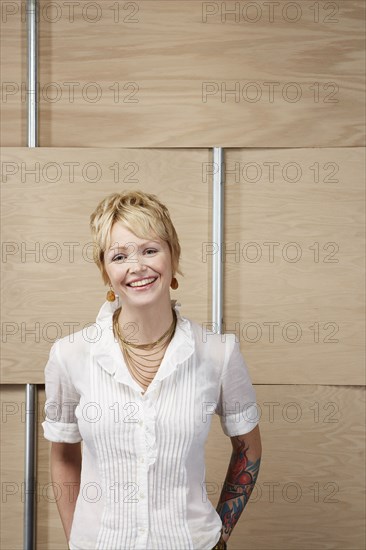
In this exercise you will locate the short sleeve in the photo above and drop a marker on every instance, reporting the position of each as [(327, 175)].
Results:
[(237, 405), (60, 424)]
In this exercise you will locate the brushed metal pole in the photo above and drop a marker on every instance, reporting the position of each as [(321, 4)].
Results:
[(30, 471), (218, 239), (30, 481), (32, 58)]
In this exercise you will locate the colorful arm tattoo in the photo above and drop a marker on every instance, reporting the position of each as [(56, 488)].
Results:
[(239, 483)]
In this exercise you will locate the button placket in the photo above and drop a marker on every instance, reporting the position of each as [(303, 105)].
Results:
[(142, 527), (149, 411)]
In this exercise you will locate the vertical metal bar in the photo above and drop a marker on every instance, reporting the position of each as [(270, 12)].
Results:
[(32, 54), (30, 467), (30, 472), (218, 239)]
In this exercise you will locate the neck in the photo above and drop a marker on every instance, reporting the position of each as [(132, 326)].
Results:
[(145, 324)]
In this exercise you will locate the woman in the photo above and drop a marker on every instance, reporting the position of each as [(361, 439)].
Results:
[(139, 388)]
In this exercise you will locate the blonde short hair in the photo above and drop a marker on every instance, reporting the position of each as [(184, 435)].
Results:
[(141, 213)]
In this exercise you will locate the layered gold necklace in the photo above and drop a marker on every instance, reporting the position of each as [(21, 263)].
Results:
[(143, 373)]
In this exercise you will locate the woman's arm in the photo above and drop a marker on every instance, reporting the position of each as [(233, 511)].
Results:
[(240, 479), (65, 474)]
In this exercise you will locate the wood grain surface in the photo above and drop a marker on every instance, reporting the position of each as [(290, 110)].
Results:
[(189, 74), (309, 492), (51, 287), (294, 262)]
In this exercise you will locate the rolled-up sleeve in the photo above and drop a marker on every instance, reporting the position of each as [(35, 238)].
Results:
[(237, 406), (60, 424)]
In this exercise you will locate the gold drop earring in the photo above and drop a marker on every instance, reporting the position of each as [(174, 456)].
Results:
[(174, 283), (110, 294)]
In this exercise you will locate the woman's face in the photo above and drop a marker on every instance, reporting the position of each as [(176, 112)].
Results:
[(129, 258)]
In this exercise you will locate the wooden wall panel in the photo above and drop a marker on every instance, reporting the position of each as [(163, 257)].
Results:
[(294, 279), (310, 488), (51, 287), (309, 492), (13, 61), (162, 74)]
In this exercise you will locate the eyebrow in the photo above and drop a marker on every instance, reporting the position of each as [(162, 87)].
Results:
[(125, 247)]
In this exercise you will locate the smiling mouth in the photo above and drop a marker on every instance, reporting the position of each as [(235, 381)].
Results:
[(141, 286)]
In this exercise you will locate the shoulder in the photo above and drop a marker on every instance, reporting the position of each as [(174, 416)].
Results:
[(78, 343), (71, 355), (209, 342)]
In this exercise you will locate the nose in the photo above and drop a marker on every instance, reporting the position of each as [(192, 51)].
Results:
[(138, 265)]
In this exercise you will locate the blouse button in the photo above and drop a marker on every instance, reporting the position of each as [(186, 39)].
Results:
[(142, 459), (141, 422)]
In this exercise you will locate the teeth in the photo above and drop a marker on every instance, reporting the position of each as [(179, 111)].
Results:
[(143, 282)]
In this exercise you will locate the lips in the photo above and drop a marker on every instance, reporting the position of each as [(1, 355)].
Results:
[(143, 286)]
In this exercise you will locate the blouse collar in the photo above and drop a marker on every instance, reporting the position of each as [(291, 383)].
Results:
[(107, 353)]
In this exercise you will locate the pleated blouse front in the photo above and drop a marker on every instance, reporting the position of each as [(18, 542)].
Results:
[(143, 469)]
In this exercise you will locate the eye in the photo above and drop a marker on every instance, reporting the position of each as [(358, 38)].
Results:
[(121, 257), (117, 256)]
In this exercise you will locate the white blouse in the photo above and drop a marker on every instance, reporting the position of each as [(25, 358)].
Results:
[(143, 470)]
